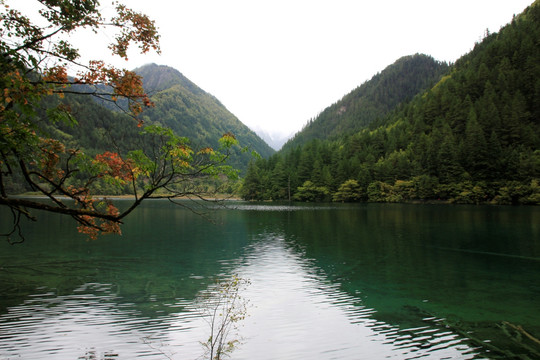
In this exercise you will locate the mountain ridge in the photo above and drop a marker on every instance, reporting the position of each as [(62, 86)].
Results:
[(373, 99), (157, 78), (194, 113)]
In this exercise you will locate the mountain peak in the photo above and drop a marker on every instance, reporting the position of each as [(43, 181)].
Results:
[(192, 112), (397, 83), (157, 78)]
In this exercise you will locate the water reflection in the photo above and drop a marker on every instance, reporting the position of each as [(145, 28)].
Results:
[(87, 324), (327, 282), (299, 314), (296, 313)]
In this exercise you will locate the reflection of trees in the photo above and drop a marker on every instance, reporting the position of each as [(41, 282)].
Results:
[(165, 253), (384, 260), (409, 262), (316, 317)]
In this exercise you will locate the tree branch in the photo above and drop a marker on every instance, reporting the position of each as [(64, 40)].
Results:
[(19, 204)]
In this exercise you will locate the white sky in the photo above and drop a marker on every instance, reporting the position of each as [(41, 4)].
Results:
[(276, 64)]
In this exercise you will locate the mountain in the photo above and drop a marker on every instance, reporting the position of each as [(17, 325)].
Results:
[(275, 139), (179, 104), (157, 78), (396, 84), (191, 112), (161, 78), (472, 137)]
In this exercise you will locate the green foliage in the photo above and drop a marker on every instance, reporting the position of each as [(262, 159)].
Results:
[(396, 84), (189, 111), (37, 122), (349, 191), (379, 191), (309, 192), (59, 135), (252, 188), (474, 137), (223, 308)]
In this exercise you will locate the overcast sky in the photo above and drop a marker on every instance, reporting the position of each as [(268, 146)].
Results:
[(276, 64)]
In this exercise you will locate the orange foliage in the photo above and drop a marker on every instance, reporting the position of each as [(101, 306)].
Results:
[(124, 83), (118, 168), (139, 29), (111, 227), (50, 157), (56, 74), (35, 62), (91, 230), (206, 150), (91, 225)]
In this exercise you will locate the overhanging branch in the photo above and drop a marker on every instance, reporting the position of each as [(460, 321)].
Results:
[(19, 203)]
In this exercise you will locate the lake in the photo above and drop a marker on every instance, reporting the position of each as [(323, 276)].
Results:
[(326, 281)]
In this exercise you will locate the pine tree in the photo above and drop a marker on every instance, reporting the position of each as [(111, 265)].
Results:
[(475, 148)]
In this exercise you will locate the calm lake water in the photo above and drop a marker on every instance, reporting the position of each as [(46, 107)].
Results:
[(366, 281)]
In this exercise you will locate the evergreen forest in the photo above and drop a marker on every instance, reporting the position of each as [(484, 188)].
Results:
[(180, 105), (421, 130)]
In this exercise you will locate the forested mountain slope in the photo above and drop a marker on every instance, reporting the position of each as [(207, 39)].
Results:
[(474, 137), (191, 112), (157, 78), (179, 105), (398, 83)]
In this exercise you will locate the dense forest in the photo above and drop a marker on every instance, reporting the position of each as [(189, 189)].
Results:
[(472, 137), (398, 83), (180, 105), (191, 112)]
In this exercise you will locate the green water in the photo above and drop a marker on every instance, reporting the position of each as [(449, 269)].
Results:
[(327, 282)]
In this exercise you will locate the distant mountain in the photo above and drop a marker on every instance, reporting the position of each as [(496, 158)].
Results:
[(396, 84), (179, 104), (191, 112), (157, 78), (274, 139)]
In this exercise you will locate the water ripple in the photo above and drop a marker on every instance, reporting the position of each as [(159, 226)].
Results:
[(296, 313), (51, 327), (321, 321)]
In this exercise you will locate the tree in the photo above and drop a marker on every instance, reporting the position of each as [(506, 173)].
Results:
[(222, 307), (310, 192), (349, 191), (252, 188), (448, 168), (475, 151), (279, 181), (36, 58)]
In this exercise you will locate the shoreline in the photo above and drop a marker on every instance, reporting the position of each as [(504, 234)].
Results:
[(223, 197), (132, 197)]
